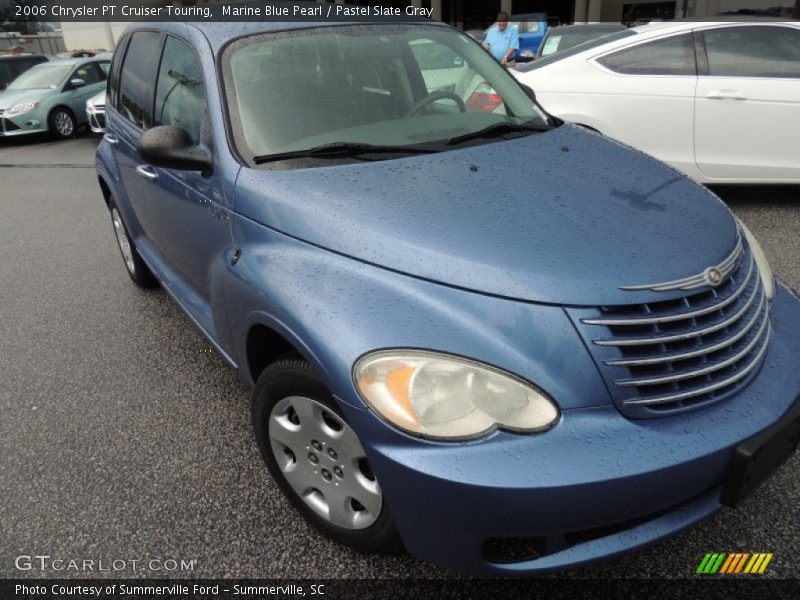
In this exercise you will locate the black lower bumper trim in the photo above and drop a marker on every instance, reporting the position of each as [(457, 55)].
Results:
[(757, 457)]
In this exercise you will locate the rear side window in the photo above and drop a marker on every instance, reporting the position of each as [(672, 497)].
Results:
[(763, 51), (141, 59), (180, 93), (669, 56)]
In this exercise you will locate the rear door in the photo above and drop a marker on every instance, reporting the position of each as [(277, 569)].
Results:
[(747, 108)]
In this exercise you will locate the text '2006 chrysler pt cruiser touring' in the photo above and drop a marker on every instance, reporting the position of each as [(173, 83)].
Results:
[(503, 381)]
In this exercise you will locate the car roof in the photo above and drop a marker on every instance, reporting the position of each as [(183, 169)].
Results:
[(221, 32), (588, 27), (687, 24), (21, 56), (75, 61)]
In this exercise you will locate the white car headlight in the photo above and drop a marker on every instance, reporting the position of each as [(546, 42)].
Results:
[(761, 261), (436, 395), (23, 107)]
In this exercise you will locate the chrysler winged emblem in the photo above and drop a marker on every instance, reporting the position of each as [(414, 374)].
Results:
[(712, 276)]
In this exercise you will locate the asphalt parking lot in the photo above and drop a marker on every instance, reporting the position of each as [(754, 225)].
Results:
[(122, 437)]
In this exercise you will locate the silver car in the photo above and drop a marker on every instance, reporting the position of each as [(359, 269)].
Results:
[(96, 112)]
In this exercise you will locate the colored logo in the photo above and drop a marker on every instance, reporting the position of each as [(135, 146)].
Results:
[(721, 563)]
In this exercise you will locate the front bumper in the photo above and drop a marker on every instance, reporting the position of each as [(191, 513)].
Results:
[(594, 486), (97, 118), (23, 124)]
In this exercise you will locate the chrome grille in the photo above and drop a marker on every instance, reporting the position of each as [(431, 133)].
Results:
[(676, 355)]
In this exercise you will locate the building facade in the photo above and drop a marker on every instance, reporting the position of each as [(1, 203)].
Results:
[(475, 14)]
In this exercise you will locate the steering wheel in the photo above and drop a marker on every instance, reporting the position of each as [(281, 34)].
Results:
[(433, 97)]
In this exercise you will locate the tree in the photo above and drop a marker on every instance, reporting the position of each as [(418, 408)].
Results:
[(9, 21)]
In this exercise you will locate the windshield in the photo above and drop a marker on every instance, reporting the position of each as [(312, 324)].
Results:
[(387, 85), (41, 77)]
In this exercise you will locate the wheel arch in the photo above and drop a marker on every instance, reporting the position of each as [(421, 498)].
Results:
[(265, 345), (105, 189)]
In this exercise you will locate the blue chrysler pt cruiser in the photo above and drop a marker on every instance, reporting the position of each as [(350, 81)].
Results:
[(502, 378)]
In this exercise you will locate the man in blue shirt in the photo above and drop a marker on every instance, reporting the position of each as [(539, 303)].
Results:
[(502, 40)]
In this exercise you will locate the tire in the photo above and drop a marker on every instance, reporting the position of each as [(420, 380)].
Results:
[(62, 123), (138, 271), (316, 459)]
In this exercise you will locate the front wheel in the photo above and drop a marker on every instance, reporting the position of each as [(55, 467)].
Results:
[(62, 124), (317, 460)]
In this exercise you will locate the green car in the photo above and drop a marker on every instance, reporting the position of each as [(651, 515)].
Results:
[(52, 97)]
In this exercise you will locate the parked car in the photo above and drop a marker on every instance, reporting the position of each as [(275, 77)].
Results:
[(79, 53), (719, 101), (558, 39), (96, 112), (51, 97), (504, 381), (14, 65), (531, 28)]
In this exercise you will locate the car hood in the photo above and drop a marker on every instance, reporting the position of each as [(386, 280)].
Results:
[(9, 98), (566, 216)]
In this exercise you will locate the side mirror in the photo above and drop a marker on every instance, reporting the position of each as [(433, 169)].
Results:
[(529, 91), (76, 83), (171, 147)]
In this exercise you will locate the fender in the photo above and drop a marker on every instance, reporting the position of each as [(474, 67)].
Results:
[(335, 309)]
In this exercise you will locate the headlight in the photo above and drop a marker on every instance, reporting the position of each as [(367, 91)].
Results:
[(761, 261), (23, 107), (440, 396)]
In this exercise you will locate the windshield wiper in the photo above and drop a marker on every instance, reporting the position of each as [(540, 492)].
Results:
[(343, 149), (496, 130)]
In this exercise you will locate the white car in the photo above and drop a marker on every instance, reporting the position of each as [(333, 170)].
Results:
[(96, 112), (719, 101)]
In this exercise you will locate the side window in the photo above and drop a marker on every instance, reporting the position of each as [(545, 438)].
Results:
[(134, 101), (761, 51), (116, 67), (670, 56), (180, 93), (89, 73), (104, 69)]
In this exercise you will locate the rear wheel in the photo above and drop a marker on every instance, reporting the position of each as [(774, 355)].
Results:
[(62, 124), (139, 273), (317, 459)]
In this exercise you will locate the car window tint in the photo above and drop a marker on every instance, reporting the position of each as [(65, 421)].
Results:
[(138, 70), (113, 76), (105, 67), (753, 51), (180, 94), (89, 73), (669, 56)]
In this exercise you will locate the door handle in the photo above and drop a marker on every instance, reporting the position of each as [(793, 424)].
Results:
[(725, 95), (146, 171), (111, 138)]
